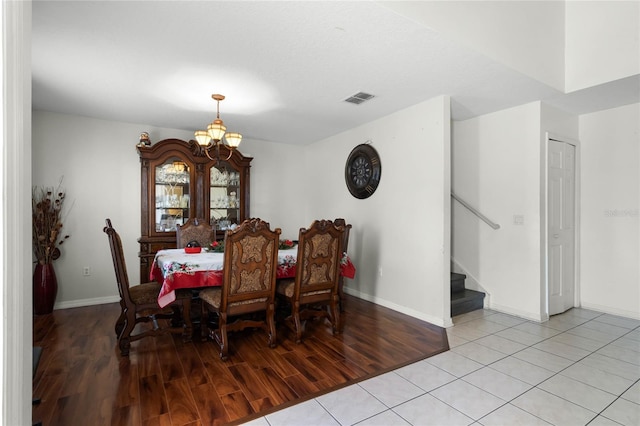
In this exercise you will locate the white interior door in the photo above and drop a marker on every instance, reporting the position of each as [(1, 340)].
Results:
[(561, 226)]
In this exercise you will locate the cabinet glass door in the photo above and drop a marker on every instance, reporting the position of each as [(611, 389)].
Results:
[(172, 180), (224, 196)]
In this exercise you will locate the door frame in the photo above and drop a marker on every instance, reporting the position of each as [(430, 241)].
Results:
[(544, 225)]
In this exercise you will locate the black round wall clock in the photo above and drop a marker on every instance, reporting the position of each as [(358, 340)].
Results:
[(362, 171)]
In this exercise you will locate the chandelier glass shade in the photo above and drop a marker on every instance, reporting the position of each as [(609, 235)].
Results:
[(215, 134)]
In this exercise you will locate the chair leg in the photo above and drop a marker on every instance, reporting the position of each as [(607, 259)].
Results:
[(124, 341), (223, 339), (204, 322), (335, 314), (271, 325), (296, 320), (176, 318), (124, 344), (120, 322), (341, 293), (186, 313)]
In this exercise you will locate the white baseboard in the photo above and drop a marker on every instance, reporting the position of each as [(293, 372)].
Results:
[(515, 312), (402, 309), (612, 311), (86, 302)]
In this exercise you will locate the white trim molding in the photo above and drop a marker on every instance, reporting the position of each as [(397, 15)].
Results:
[(544, 221), (87, 302), (402, 309), (15, 219)]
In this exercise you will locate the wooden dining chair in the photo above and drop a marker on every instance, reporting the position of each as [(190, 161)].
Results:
[(248, 287), (345, 246), (313, 293), (139, 304), (195, 229)]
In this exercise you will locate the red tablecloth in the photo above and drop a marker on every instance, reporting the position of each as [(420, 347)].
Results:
[(176, 270)]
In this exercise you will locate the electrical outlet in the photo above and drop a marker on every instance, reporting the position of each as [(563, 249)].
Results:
[(86, 271), (380, 271)]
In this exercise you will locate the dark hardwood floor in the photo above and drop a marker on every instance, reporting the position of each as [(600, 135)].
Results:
[(82, 379)]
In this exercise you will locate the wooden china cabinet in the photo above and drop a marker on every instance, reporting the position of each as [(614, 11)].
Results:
[(179, 181)]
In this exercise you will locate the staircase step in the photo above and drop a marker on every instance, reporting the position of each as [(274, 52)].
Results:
[(466, 301), (457, 282)]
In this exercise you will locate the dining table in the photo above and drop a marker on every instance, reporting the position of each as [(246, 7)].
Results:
[(176, 269)]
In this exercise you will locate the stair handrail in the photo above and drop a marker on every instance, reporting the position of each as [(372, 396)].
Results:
[(475, 211)]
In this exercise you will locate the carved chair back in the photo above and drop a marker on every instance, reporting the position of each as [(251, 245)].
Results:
[(345, 235), (345, 247), (195, 229), (119, 265), (318, 264), (250, 263)]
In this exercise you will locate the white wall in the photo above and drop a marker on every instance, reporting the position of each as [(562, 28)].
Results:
[(496, 169), (277, 185), (495, 161), (101, 174), (568, 45), (402, 230), (602, 42), (527, 36), (610, 238)]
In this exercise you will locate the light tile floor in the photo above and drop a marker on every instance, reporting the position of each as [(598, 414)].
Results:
[(581, 367)]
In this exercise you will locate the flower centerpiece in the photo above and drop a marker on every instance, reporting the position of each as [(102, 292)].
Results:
[(47, 216), (217, 247), (285, 244), (47, 208)]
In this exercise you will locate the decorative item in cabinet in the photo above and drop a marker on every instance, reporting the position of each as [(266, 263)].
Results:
[(179, 181), (172, 194), (224, 201)]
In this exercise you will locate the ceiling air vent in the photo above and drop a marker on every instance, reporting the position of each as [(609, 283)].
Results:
[(358, 98)]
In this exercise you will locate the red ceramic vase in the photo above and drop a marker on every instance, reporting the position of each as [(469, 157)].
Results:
[(45, 289)]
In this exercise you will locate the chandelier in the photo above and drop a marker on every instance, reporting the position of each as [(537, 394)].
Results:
[(216, 131)]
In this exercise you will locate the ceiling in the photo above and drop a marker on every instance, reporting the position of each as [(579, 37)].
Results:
[(285, 67)]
